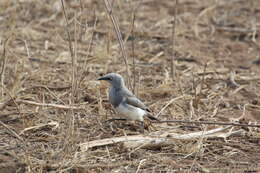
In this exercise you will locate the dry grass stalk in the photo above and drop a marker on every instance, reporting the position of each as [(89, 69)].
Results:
[(49, 105), (11, 131), (208, 122), (39, 127), (173, 68), (3, 66), (134, 10)]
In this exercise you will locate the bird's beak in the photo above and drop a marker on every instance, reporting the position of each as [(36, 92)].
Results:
[(103, 78)]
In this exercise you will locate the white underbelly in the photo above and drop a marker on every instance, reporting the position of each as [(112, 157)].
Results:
[(131, 112)]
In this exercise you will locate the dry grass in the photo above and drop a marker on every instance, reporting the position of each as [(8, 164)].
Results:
[(51, 101)]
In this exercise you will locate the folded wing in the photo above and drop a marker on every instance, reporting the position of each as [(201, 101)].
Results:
[(133, 101)]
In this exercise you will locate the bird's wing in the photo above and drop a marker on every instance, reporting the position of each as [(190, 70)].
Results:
[(133, 101), (130, 99)]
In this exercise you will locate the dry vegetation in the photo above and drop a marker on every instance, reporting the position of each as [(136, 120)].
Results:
[(51, 102)]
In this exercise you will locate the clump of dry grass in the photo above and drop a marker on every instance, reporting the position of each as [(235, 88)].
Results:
[(51, 102)]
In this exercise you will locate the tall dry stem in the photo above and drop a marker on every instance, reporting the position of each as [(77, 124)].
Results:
[(119, 37)]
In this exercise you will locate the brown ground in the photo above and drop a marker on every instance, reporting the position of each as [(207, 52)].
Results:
[(217, 72)]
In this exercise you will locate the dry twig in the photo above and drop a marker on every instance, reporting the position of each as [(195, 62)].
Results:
[(158, 138)]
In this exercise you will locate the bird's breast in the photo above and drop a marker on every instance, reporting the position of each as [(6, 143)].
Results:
[(114, 97)]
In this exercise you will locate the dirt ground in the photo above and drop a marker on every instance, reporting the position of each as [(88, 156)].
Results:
[(51, 101)]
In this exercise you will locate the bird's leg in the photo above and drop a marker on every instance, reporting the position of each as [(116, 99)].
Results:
[(142, 126)]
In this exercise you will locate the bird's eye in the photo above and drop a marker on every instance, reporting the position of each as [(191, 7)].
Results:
[(110, 78)]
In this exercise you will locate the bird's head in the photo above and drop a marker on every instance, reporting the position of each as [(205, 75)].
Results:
[(116, 80)]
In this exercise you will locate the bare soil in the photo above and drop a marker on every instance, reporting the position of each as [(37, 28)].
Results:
[(51, 100)]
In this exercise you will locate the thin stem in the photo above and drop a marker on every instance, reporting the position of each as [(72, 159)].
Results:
[(119, 37), (173, 68)]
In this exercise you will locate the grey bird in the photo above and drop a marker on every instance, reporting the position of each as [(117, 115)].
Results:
[(124, 101)]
